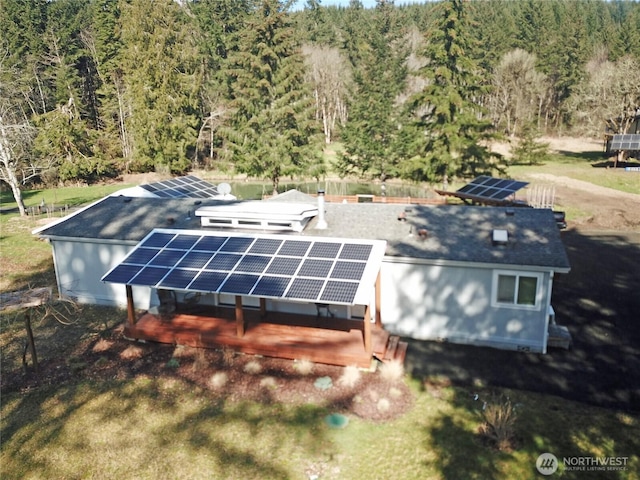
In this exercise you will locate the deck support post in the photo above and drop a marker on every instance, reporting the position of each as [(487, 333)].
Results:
[(131, 310), (263, 307), (377, 304), (368, 346), (239, 317)]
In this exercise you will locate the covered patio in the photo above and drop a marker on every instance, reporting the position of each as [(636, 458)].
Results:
[(275, 269)]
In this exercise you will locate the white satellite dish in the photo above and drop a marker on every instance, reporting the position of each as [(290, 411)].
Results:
[(224, 188)]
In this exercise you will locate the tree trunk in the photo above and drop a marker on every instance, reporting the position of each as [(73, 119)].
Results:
[(8, 174), (17, 194)]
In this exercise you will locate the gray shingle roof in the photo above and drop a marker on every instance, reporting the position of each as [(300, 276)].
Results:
[(455, 233)]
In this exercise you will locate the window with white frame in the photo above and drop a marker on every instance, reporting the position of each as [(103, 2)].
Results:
[(516, 289)]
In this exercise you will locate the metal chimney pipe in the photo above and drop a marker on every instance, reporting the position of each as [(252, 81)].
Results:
[(322, 223)]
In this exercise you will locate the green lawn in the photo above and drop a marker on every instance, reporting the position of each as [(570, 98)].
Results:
[(166, 428), (26, 261), (588, 167)]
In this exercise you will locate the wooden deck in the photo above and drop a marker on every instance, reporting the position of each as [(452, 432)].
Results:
[(328, 340)]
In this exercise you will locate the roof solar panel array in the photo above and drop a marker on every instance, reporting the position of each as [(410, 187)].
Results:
[(629, 141), (490, 188), (188, 186), (323, 270)]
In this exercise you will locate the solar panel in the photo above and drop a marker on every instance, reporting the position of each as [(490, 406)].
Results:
[(315, 268), (490, 189), (188, 186), (627, 141), (305, 289), (239, 283), (337, 292), (348, 270), (326, 270)]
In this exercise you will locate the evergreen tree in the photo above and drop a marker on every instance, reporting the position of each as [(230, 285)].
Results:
[(272, 131), (22, 47), (219, 25), (449, 136), (370, 136), (529, 150), (161, 76), (102, 41)]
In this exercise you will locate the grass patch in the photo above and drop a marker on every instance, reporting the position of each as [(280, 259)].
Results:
[(169, 429), (20, 249), (587, 167)]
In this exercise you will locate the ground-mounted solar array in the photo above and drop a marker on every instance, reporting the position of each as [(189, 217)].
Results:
[(188, 186), (629, 141), (490, 188), (313, 269)]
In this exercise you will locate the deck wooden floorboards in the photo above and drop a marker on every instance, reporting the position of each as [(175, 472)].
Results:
[(329, 340)]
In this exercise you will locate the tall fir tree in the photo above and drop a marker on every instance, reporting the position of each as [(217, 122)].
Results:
[(273, 133), (371, 135), (448, 133), (162, 82)]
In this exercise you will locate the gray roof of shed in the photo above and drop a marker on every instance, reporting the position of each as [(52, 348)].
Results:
[(455, 233)]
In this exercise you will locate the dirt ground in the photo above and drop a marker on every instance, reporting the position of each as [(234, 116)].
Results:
[(598, 301)]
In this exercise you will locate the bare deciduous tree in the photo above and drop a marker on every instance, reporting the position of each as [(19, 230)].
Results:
[(519, 92), (16, 137), (610, 96), (330, 76)]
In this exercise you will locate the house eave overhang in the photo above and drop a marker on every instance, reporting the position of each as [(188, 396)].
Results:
[(484, 265)]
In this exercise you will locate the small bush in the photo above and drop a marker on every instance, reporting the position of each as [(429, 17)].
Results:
[(253, 367), (218, 380), (102, 345), (304, 367), (228, 356), (395, 393), (200, 360), (173, 363), (392, 371), (383, 405), (499, 422), (132, 352), (350, 377), (269, 383)]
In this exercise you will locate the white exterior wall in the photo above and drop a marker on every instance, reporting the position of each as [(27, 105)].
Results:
[(80, 266), (425, 302), (454, 304)]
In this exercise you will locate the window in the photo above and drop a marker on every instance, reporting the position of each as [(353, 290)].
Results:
[(517, 289)]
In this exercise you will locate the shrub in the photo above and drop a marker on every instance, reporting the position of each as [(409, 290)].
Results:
[(253, 367), (228, 356), (269, 383), (383, 405), (218, 380), (392, 371), (499, 418), (350, 377), (304, 367)]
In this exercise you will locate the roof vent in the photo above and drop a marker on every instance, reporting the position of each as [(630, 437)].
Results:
[(500, 237), (510, 212), (322, 222)]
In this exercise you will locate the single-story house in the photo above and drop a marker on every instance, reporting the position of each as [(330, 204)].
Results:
[(454, 273)]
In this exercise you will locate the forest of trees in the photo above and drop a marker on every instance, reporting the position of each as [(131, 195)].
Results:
[(91, 89)]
